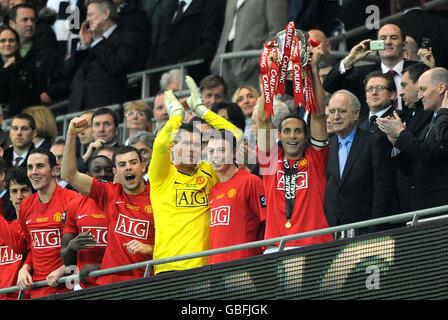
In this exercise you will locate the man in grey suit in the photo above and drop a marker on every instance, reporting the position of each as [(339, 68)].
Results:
[(248, 24)]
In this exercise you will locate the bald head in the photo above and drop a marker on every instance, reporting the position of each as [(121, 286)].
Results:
[(318, 35), (432, 85)]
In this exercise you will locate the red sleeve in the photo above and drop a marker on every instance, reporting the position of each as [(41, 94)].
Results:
[(99, 193), (70, 217), (29, 259), (13, 235)]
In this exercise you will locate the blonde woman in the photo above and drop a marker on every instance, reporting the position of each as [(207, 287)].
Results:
[(46, 127)]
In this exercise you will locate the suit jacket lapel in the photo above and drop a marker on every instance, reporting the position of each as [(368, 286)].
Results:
[(353, 154)]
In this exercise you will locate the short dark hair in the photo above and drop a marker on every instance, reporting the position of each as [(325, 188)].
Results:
[(13, 11), (16, 35), (390, 83), (236, 115), (213, 81), (402, 32), (415, 71), (123, 150), (294, 116), (18, 175), (109, 4), (102, 111), (27, 117), (226, 135), (48, 153), (189, 127), (58, 142)]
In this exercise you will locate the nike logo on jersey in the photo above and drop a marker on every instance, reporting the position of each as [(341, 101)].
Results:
[(28, 221), (82, 216)]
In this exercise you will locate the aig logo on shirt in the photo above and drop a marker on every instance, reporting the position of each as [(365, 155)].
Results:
[(134, 228), (8, 256), (98, 233), (46, 238), (191, 198), (220, 216), (301, 180)]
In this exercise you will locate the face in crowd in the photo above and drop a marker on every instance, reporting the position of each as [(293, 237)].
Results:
[(129, 172), (378, 95), (39, 171), (25, 24), (246, 101), (103, 128), (58, 151), (159, 112), (394, 44), (145, 152), (8, 43), (187, 150), (17, 193), (292, 136), (341, 114), (102, 169), (220, 153), (212, 96), (21, 133)]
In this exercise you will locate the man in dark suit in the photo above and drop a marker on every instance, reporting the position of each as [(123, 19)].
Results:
[(416, 119), (100, 65), (22, 133), (359, 173), (423, 158), (189, 30), (380, 93), (350, 77)]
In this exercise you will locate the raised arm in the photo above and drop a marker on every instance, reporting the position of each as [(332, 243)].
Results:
[(69, 167), (161, 152), (318, 125)]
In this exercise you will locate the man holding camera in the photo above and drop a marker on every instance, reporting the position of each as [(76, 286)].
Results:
[(350, 77)]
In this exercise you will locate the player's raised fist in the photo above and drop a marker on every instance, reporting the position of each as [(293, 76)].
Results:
[(77, 125)]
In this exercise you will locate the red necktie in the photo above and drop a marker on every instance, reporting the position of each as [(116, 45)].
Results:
[(393, 73)]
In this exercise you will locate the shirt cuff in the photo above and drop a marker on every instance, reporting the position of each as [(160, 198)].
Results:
[(342, 68), (96, 41)]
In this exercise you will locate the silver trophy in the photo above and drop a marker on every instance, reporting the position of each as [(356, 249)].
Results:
[(304, 49)]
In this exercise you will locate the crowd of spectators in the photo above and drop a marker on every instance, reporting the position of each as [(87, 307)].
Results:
[(207, 169)]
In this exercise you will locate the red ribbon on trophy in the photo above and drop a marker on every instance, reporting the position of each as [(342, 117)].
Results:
[(299, 99), (286, 57), (269, 74)]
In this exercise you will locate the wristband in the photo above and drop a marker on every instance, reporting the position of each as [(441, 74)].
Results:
[(319, 143)]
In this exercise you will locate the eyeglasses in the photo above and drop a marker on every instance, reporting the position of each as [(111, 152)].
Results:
[(10, 40), (377, 88)]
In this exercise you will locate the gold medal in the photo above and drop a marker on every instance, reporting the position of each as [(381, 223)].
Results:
[(288, 224)]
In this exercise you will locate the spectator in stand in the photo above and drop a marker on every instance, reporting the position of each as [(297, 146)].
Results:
[(246, 98), (294, 176), (23, 130), (138, 118), (106, 151), (15, 78), (41, 222), (84, 238), (380, 93), (44, 62), (213, 90), (237, 201), (65, 28), (4, 8), (144, 142), (180, 183), (171, 80), (350, 77), (105, 127), (184, 31), (46, 128), (159, 112), (248, 24), (102, 60), (133, 19), (57, 148), (359, 172), (423, 158), (124, 202), (19, 187), (232, 113)]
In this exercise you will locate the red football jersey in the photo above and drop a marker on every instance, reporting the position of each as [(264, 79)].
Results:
[(83, 215), (237, 207), (42, 223), (308, 213), (10, 262), (129, 218)]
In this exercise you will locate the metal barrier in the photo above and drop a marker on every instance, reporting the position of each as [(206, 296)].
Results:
[(414, 216)]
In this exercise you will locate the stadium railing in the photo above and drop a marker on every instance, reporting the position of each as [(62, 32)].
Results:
[(413, 216)]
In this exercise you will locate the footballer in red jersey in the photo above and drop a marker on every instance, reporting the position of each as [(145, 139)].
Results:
[(41, 220), (126, 203), (237, 202), (84, 238), (19, 187), (295, 178)]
